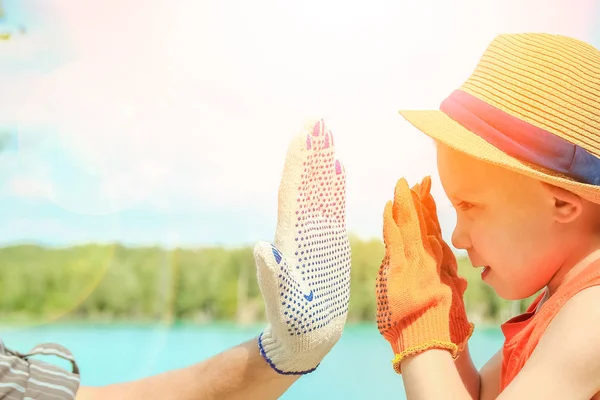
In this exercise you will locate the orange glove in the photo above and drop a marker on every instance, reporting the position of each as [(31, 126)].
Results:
[(413, 305), (460, 327)]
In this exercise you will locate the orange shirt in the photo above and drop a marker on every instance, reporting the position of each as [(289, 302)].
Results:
[(522, 333)]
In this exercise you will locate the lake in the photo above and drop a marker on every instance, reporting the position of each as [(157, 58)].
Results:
[(358, 367)]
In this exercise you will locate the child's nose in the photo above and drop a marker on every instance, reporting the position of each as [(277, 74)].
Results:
[(460, 237)]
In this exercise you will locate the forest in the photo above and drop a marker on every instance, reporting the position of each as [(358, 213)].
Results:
[(112, 282)]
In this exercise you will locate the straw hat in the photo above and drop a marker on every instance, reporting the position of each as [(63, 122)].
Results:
[(532, 105)]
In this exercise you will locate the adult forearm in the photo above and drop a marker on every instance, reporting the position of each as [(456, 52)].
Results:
[(238, 373)]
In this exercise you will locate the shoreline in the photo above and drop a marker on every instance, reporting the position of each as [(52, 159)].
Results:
[(141, 323)]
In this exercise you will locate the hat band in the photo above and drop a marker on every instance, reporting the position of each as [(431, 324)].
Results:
[(522, 140)]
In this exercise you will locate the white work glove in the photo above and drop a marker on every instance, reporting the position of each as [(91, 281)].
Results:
[(304, 276)]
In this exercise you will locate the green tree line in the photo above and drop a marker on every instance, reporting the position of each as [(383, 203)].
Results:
[(113, 282)]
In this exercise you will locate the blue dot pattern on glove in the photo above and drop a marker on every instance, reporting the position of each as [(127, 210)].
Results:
[(322, 256)]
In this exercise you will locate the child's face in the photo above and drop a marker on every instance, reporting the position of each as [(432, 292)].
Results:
[(504, 221)]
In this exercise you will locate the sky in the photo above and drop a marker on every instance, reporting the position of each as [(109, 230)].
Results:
[(167, 122)]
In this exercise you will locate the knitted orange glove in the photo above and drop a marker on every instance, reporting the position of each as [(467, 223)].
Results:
[(460, 327), (413, 305)]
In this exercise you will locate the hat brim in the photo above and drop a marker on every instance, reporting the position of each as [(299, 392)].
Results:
[(442, 128)]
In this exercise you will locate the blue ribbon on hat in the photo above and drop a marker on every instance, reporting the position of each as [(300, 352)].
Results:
[(522, 140)]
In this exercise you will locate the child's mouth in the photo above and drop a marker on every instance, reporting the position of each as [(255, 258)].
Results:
[(485, 271)]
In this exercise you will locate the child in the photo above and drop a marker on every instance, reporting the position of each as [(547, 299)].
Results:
[(518, 149)]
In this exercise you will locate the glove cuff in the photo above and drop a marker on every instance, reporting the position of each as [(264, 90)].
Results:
[(429, 330), (461, 333), (434, 344), (281, 359), (460, 327)]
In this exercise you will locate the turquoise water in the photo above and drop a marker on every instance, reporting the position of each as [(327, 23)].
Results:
[(358, 367)]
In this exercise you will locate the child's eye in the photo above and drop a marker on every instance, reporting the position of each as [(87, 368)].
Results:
[(464, 206)]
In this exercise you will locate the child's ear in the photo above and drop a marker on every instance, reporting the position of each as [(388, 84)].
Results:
[(567, 205)]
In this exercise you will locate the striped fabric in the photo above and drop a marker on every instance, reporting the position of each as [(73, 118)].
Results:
[(25, 378)]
